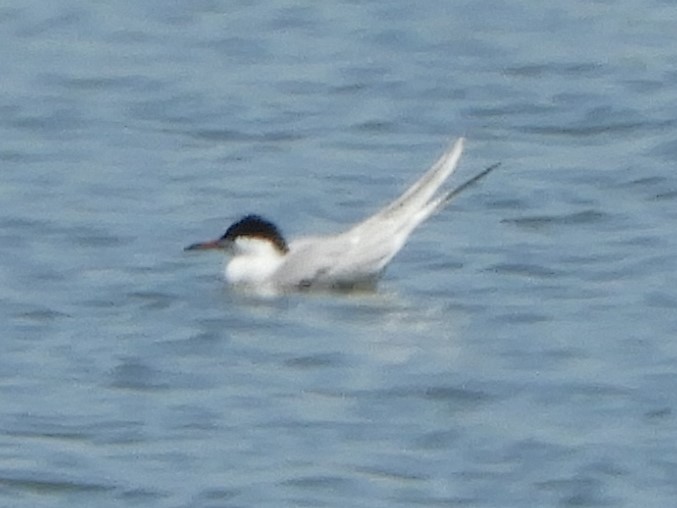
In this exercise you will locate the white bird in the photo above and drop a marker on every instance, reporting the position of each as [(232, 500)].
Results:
[(262, 260)]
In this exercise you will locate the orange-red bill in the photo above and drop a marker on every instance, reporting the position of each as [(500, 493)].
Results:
[(213, 244)]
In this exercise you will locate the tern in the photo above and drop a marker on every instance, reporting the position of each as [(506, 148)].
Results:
[(262, 260)]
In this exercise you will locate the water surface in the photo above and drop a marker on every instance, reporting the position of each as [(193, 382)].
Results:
[(520, 350)]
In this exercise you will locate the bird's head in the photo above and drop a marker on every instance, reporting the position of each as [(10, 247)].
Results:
[(249, 235)]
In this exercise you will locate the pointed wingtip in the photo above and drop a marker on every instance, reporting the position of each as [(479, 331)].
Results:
[(441, 202), (469, 183), (458, 144)]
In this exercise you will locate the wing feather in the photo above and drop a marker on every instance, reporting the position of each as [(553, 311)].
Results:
[(362, 252)]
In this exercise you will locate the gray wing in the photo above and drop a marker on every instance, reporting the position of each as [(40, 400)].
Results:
[(362, 252), (315, 262), (372, 243)]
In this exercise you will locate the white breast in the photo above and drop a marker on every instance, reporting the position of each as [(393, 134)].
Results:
[(254, 262)]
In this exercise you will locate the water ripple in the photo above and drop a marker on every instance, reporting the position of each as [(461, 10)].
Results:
[(520, 350), (37, 482)]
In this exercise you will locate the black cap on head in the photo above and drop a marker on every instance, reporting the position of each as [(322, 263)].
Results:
[(256, 227)]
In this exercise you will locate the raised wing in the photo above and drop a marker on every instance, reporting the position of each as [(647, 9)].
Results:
[(375, 241), (361, 253)]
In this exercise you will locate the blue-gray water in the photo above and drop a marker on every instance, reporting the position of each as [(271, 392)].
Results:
[(521, 350)]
